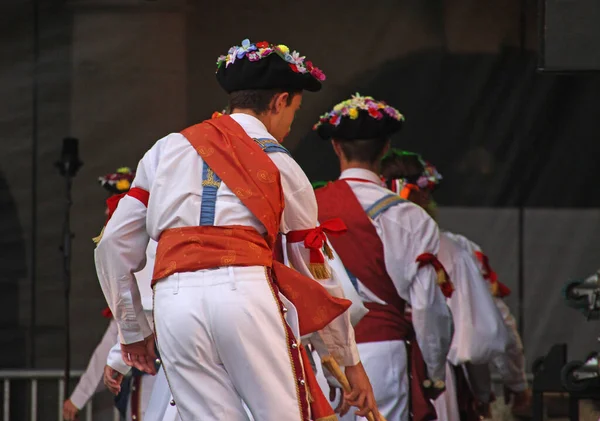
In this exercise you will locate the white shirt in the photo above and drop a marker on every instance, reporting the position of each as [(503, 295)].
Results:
[(108, 351), (406, 231), (479, 331), (511, 364), (91, 380), (172, 172), (143, 279)]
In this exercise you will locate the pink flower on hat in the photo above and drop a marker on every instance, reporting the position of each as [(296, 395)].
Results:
[(317, 74)]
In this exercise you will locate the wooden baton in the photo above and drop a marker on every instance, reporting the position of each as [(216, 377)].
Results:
[(333, 367)]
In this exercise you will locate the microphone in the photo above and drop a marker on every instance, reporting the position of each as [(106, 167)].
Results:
[(69, 162)]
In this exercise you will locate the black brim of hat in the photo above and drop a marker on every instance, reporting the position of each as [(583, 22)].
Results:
[(271, 72), (363, 127)]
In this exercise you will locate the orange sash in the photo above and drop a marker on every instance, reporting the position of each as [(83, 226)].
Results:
[(251, 175)]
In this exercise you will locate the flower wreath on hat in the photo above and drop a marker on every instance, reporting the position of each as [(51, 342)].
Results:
[(351, 107), (119, 181), (260, 50), (429, 179)]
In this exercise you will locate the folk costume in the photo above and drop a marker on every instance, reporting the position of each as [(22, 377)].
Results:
[(511, 364), (390, 252), (228, 318), (480, 334), (133, 405)]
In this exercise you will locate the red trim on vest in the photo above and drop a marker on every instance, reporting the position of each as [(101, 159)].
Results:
[(140, 194)]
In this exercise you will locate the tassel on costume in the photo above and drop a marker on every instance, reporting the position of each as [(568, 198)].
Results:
[(315, 240), (97, 239), (319, 270)]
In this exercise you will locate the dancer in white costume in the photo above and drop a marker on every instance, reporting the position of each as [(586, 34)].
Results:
[(390, 250), (213, 197), (481, 336), (117, 184), (511, 364)]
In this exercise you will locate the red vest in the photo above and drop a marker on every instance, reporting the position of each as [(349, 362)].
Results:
[(361, 251)]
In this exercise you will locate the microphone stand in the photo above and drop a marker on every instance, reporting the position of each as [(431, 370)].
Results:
[(68, 166)]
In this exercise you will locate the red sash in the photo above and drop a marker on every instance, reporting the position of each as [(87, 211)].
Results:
[(251, 175), (361, 251)]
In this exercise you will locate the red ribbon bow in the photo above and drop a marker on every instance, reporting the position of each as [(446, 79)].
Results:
[(443, 278), (498, 287), (315, 238)]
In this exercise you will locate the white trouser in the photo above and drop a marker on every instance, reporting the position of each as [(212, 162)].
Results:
[(385, 364), (160, 408), (146, 387), (222, 339), (446, 405)]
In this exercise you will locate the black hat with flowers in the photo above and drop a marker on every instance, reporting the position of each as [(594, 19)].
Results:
[(266, 66), (119, 181), (360, 117)]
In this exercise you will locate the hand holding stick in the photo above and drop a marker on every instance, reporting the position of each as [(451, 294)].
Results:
[(333, 367)]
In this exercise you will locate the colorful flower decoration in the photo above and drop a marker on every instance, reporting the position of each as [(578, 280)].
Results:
[(351, 108), (119, 181), (260, 50), (429, 178)]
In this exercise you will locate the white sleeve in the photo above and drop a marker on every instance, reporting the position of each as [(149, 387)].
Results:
[(407, 232), (115, 359), (121, 252), (338, 272), (91, 380), (300, 213), (511, 364), (479, 331)]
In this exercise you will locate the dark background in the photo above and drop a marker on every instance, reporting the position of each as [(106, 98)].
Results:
[(517, 148)]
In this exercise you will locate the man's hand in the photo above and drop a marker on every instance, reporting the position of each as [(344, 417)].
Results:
[(361, 395), (70, 411), (140, 355), (112, 380), (342, 407)]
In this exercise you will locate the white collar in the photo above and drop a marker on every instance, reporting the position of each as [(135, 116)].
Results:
[(361, 173), (252, 126)]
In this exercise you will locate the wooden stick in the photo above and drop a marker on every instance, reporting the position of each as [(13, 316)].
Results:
[(333, 367)]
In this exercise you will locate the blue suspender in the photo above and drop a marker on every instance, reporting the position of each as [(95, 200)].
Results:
[(211, 182)]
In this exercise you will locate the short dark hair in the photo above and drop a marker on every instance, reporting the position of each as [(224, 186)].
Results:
[(257, 100), (408, 166), (363, 150)]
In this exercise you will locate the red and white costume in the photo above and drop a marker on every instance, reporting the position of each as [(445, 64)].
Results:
[(511, 364), (219, 330), (404, 232), (479, 333)]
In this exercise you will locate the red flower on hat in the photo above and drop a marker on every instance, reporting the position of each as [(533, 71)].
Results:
[(334, 120), (375, 113), (263, 44), (294, 68), (309, 66)]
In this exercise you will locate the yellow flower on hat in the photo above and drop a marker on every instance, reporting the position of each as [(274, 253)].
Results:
[(353, 113), (124, 170), (283, 48), (123, 184), (339, 107)]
